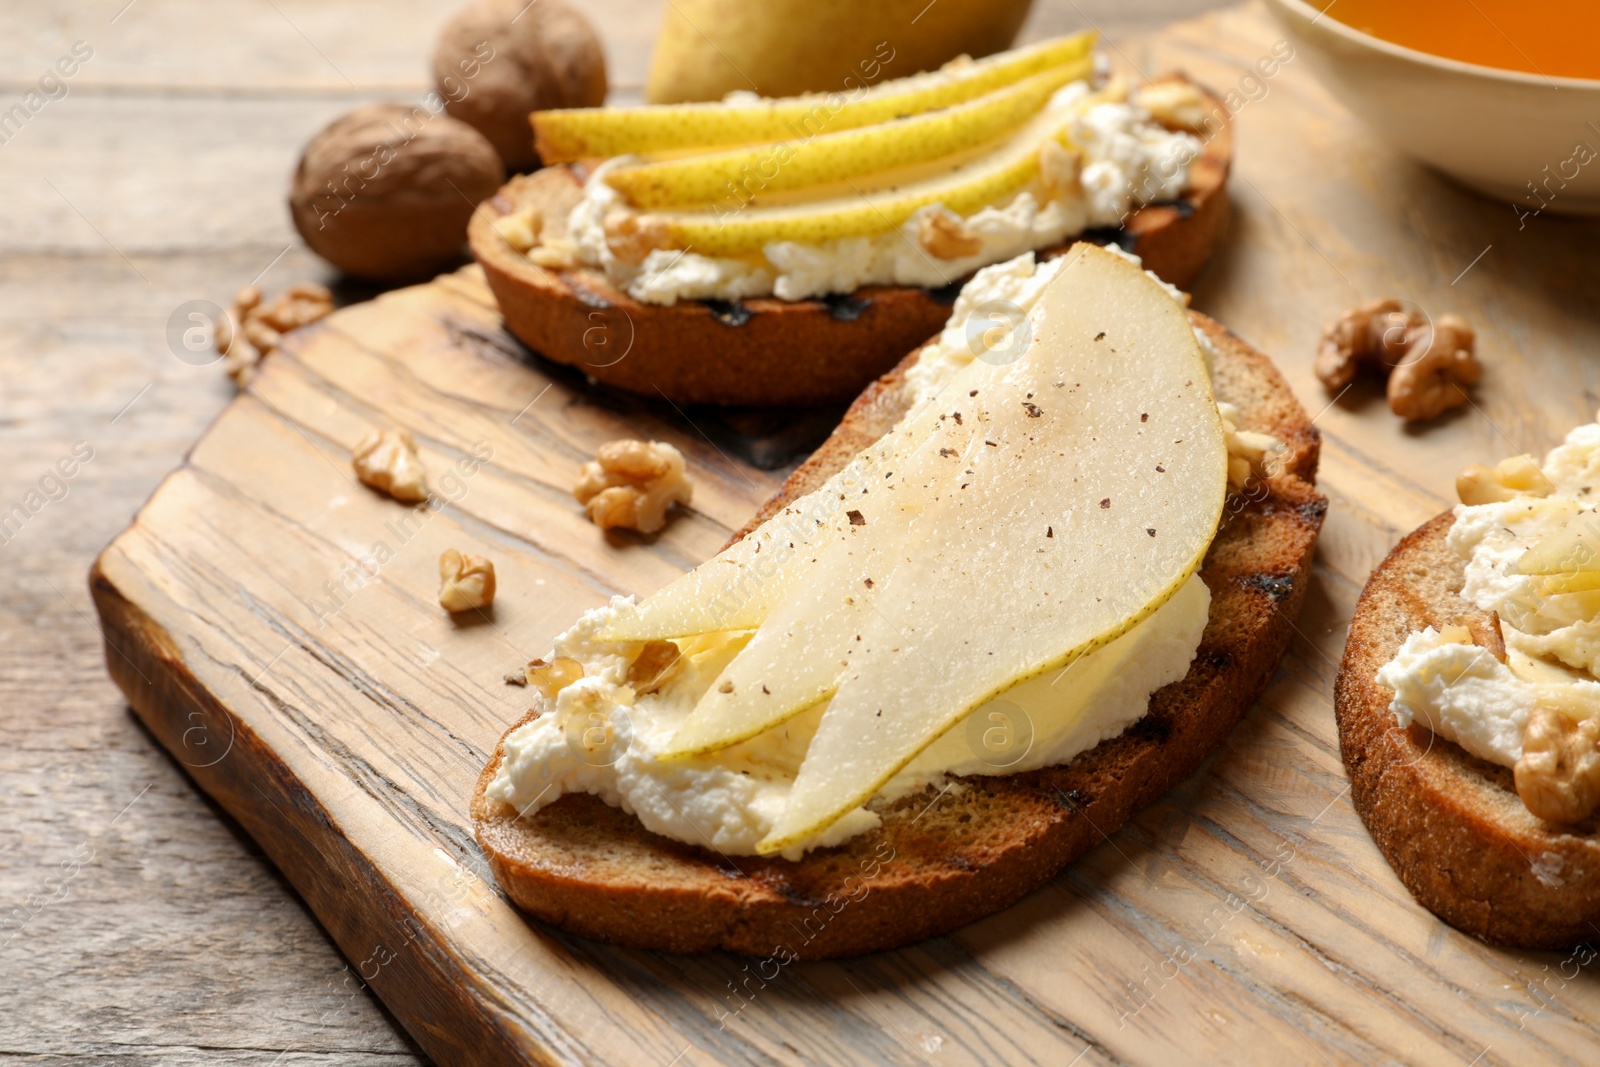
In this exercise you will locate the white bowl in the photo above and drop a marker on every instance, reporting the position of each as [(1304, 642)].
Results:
[(1524, 138)]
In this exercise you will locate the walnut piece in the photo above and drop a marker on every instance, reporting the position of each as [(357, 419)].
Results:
[(656, 663), (1177, 105), (1428, 363), (1438, 366), (465, 582), (945, 235), (1249, 452), (632, 237), (1558, 776), (387, 461), (632, 484), (1510, 478), (520, 228), (252, 330), (1058, 168), (1372, 335)]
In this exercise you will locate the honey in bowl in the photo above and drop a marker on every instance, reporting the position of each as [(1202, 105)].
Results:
[(1556, 38)]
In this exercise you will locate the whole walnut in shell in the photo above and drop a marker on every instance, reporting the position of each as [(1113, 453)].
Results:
[(499, 60), (386, 191)]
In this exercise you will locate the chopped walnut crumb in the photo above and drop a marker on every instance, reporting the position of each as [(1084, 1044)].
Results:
[(387, 461), (945, 235), (465, 582), (1513, 477), (632, 484), (252, 330)]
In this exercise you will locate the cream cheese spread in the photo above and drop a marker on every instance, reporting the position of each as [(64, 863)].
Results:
[(1127, 160), (1461, 691), (728, 801)]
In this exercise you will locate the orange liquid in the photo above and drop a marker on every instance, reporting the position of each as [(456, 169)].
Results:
[(1557, 38)]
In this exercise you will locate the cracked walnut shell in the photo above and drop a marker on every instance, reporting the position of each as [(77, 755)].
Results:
[(632, 484), (387, 461), (465, 582)]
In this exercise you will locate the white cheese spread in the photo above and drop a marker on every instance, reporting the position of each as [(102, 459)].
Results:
[(1127, 160), (1461, 691), (729, 800)]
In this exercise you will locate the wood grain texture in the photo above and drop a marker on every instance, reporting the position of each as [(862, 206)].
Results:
[(178, 943)]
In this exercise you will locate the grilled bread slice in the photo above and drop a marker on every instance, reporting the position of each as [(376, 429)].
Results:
[(940, 861), (1451, 825), (768, 352)]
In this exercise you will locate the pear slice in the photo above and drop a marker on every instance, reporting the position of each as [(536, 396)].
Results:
[(1096, 501), (737, 588), (835, 157), (1571, 551), (969, 183), (769, 682), (563, 136)]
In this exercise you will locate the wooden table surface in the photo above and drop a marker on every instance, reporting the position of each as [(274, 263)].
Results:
[(160, 178), (151, 929)]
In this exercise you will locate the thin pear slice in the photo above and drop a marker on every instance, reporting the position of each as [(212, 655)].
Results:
[(796, 657), (835, 157), (963, 188), (563, 136), (1571, 550), (737, 588), (1097, 501)]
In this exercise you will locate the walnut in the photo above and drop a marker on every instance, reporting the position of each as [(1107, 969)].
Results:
[(1372, 335), (385, 192), (520, 228), (387, 461), (498, 60), (945, 235), (632, 483), (1510, 478), (552, 677), (631, 237), (1483, 630), (1558, 776), (1249, 452), (465, 582), (1438, 366), (657, 662), (1177, 105), (1058, 168), (1427, 362), (251, 330)]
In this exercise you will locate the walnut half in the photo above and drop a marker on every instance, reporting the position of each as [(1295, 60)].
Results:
[(1558, 776), (465, 582), (387, 461), (1438, 366), (632, 484)]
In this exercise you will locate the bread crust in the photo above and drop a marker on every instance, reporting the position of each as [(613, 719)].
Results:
[(767, 352), (939, 862), (1451, 825)]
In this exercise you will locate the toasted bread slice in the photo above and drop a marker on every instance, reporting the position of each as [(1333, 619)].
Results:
[(1451, 825), (940, 861), (768, 352)]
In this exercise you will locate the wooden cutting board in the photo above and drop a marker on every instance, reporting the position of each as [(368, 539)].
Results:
[(275, 625)]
